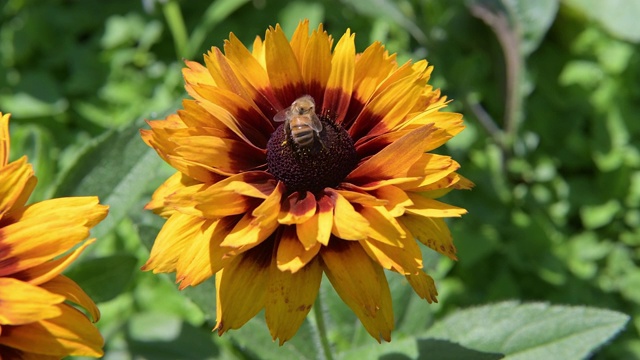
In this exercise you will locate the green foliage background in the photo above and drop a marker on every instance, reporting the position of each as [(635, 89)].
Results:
[(550, 94)]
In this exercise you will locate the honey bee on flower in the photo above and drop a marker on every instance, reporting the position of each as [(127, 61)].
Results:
[(267, 220)]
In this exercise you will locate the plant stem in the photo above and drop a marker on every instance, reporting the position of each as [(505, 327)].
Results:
[(173, 14), (321, 328)]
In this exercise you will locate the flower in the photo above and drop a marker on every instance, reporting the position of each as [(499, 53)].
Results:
[(268, 200), (36, 242)]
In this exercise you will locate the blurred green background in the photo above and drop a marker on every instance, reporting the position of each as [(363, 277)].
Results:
[(551, 96)]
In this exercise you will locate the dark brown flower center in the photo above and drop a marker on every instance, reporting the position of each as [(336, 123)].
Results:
[(313, 165)]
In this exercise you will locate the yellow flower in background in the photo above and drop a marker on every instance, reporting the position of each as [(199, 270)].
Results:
[(38, 317), (297, 159)]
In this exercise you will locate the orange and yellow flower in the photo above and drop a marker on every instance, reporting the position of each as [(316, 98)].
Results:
[(268, 213), (37, 318)]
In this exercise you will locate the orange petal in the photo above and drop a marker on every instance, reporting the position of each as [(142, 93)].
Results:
[(282, 66), (296, 210), (174, 238), (292, 255), (432, 208), (47, 229), (361, 284), (242, 287), (393, 161), (68, 334), (24, 303), (424, 286), (432, 232), (204, 256), (66, 287), (348, 224), (340, 84), (290, 297)]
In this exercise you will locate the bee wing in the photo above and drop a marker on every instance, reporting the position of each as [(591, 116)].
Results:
[(282, 115), (316, 125)]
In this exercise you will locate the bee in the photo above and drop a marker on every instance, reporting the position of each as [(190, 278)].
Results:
[(301, 122)]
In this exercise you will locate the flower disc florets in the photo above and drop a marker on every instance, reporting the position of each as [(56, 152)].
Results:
[(324, 163)]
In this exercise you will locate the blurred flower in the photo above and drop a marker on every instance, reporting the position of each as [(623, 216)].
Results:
[(267, 197), (37, 319)]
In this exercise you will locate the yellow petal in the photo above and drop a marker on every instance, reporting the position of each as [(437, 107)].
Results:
[(242, 287), (361, 198), (316, 64), (300, 39), (290, 297), (340, 84), (361, 284), (397, 199), (240, 56), (173, 184), (371, 68), (296, 210), (432, 232), (405, 259), (282, 66), (48, 229), (24, 303), (396, 97), (16, 183), (382, 226), (423, 285), (348, 224), (256, 226), (318, 228), (393, 161), (432, 208), (71, 333), (66, 287), (204, 256), (174, 238), (50, 269), (292, 255), (4, 140)]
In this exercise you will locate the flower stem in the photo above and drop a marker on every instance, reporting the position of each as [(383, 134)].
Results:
[(321, 328), (173, 14)]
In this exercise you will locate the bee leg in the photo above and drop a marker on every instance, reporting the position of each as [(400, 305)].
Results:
[(287, 133)]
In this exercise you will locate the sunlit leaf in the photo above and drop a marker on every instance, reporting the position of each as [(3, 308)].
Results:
[(531, 331)]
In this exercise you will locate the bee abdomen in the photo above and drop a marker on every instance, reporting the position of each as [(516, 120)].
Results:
[(303, 135)]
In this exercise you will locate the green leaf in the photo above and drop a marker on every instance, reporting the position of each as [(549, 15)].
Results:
[(619, 17), (253, 337), (118, 168), (413, 348), (389, 11), (533, 18), (104, 278), (595, 216), (531, 331), (157, 335)]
